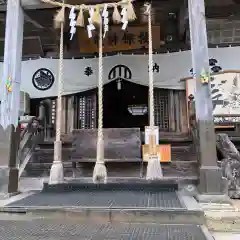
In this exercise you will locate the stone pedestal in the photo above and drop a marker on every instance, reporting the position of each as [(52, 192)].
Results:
[(212, 186), (9, 142), (210, 175), (8, 180), (211, 181)]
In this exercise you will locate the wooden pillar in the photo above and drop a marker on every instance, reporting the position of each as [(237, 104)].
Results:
[(64, 115), (177, 111), (10, 99), (183, 112), (70, 114), (210, 174), (172, 117)]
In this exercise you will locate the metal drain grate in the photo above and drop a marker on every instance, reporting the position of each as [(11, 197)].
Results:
[(59, 230), (122, 199)]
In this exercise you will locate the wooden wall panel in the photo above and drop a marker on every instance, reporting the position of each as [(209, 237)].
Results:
[(70, 114), (172, 120), (120, 144), (183, 112)]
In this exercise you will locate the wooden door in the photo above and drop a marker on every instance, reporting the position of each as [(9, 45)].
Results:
[(170, 110), (161, 109)]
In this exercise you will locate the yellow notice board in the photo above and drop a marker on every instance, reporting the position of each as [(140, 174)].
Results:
[(134, 37), (163, 152)]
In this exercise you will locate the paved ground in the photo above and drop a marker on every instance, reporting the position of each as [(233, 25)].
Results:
[(236, 204), (22, 227), (221, 221), (226, 236), (67, 230)]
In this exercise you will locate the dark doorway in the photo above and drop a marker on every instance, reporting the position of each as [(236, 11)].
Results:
[(116, 102)]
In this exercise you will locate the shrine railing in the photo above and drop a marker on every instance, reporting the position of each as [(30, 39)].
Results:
[(33, 132)]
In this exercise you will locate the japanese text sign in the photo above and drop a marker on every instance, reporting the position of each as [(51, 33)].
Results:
[(119, 40)]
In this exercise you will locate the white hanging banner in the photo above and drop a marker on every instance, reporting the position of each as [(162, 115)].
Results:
[(39, 77)]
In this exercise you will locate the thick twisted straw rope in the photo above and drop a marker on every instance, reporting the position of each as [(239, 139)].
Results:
[(86, 7), (100, 146), (150, 63), (60, 88)]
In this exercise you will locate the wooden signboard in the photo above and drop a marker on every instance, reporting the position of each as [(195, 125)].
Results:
[(134, 37), (163, 152)]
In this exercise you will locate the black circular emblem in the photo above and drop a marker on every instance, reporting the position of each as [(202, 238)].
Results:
[(121, 72), (43, 79)]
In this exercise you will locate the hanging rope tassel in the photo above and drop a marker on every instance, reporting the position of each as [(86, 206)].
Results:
[(154, 170), (100, 171)]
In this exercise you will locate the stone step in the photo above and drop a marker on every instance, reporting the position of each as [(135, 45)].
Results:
[(112, 205), (186, 172), (165, 137), (71, 229), (113, 185), (45, 154)]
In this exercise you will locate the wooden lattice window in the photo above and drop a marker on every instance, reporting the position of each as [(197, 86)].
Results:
[(161, 109), (87, 111)]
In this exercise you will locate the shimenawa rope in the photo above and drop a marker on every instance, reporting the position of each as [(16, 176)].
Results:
[(154, 170), (100, 171), (56, 174)]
